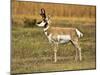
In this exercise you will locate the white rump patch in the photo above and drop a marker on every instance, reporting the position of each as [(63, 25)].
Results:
[(64, 38), (79, 33), (41, 24)]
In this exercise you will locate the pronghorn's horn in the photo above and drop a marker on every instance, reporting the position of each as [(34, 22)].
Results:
[(42, 11)]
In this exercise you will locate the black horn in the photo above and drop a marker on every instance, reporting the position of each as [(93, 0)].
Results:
[(42, 13)]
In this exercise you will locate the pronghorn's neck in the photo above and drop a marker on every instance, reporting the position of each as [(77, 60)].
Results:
[(46, 28)]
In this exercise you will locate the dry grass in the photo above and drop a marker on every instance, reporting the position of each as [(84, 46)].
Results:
[(31, 51)]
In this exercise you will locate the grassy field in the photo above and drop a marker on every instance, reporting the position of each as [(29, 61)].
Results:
[(31, 51)]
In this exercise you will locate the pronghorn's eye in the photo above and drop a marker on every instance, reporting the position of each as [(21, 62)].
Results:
[(39, 22)]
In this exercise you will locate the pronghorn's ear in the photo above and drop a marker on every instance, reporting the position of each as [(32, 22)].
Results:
[(49, 16)]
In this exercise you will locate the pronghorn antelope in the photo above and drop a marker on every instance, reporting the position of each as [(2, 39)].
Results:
[(57, 35)]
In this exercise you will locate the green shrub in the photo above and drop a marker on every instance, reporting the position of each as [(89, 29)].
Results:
[(29, 22)]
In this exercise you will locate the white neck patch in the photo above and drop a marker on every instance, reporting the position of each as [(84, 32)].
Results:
[(46, 28)]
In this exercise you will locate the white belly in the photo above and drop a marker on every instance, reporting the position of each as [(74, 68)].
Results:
[(59, 38), (64, 38)]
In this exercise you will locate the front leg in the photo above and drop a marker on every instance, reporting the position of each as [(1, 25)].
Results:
[(55, 52)]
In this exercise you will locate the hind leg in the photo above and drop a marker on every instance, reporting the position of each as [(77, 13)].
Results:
[(78, 50)]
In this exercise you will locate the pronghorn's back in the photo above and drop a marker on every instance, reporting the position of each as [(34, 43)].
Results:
[(73, 32)]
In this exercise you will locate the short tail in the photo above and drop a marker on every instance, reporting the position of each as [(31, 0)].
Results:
[(80, 34)]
